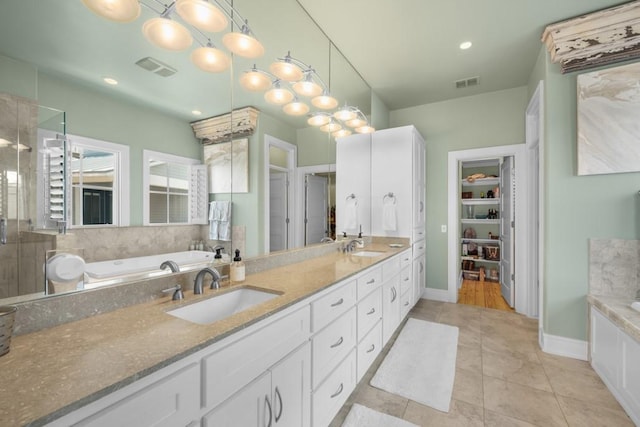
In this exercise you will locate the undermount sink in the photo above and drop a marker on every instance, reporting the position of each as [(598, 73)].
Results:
[(636, 305), (221, 306), (368, 253)]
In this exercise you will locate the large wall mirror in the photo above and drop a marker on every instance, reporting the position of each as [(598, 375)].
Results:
[(57, 53)]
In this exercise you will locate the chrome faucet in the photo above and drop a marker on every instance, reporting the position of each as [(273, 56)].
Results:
[(326, 240), (177, 292), (215, 276), (172, 265), (351, 246)]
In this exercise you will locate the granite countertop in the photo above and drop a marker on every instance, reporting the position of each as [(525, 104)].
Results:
[(619, 311), (49, 373)]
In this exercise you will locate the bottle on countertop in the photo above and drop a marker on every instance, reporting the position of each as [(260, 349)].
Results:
[(236, 270)]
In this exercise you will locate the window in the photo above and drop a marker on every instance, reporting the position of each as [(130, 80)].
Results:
[(99, 184), (174, 189)]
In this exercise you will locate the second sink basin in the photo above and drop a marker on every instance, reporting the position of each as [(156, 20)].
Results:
[(368, 253), (221, 306)]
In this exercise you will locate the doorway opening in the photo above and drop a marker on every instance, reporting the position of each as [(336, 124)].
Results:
[(316, 204)]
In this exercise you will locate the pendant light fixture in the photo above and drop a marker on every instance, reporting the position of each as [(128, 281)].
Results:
[(325, 101), (255, 80), (202, 15), (307, 87), (242, 43), (278, 95), (296, 108), (356, 123), (365, 129), (167, 34), (341, 133), (210, 59), (345, 113), (115, 10), (285, 69), (319, 119), (330, 127)]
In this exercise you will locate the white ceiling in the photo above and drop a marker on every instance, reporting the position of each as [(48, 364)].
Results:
[(407, 50)]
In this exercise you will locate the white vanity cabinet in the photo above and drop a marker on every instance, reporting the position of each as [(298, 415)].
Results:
[(615, 356), (279, 397)]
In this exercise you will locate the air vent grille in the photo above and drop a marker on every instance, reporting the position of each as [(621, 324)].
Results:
[(468, 82), (156, 66)]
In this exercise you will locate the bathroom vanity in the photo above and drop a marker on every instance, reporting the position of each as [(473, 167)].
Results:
[(292, 360)]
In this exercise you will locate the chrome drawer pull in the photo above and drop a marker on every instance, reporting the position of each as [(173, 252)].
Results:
[(340, 341), (338, 391), (373, 310), (337, 303), (371, 281), (394, 294), (268, 405), (406, 303), (281, 405), (406, 279), (373, 347)]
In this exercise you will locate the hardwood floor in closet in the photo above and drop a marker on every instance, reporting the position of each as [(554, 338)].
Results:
[(482, 294)]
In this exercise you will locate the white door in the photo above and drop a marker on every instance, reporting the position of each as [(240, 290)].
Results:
[(278, 206), (506, 230), (316, 204)]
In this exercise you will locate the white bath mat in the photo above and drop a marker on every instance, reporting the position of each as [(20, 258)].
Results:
[(421, 364), (361, 416)]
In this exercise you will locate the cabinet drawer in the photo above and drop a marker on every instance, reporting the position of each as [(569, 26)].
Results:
[(406, 279), (418, 234), (172, 401), (369, 281), (419, 249), (331, 395), (406, 303), (332, 344), (331, 306), (390, 268), (368, 349), (369, 312), (405, 258), (234, 366)]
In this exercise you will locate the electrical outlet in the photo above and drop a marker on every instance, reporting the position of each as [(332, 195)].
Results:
[(443, 228)]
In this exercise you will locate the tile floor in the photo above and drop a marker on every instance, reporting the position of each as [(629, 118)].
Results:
[(502, 378)]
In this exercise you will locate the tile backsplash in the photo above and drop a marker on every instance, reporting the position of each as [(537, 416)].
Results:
[(614, 267)]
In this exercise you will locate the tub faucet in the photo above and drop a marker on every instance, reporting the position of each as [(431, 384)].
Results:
[(172, 265), (215, 276)]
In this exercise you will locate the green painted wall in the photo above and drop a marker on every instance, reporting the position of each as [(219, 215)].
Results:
[(577, 208), (379, 112), (18, 78), (486, 120), (315, 147)]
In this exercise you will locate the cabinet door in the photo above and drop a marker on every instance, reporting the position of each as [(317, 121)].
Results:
[(390, 308), (418, 278), (291, 388), (250, 407), (353, 172), (604, 347), (630, 375), (419, 183), (391, 153)]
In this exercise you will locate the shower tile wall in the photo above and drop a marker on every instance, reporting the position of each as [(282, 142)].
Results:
[(614, 267)]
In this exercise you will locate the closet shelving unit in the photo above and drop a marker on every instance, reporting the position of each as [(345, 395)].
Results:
[(481, 206)]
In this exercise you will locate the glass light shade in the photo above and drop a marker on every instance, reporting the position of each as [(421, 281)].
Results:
[(286, 71), (326, 102), (307, 88), (318, 119), (243, 45), (278, 96), (210, 59), (345, 114), (296, 108), (202, 15), (340, 133), (365, 129), (5, 143), (115, 10), (167, 34), (331, 127), (356, 123), (255, 81)]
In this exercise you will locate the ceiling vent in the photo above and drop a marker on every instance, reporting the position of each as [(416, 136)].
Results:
[(157, 67), (469, 82)]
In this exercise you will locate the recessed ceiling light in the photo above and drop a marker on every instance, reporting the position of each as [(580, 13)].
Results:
[(196, 112), (110, 81), (465, 45)]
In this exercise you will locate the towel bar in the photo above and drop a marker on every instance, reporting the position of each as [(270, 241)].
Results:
[(351, 196)]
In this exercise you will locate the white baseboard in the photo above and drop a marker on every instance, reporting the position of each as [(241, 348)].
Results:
[(567, 347), (436, 294)]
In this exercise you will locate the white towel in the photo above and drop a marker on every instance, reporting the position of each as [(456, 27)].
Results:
[(389, 216), (220, 220), (351, 214)]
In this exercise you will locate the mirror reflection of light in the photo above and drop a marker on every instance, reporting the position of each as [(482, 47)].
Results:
[(5, 143)]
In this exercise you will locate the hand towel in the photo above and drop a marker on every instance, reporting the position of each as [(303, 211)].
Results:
[(220, 220), (351, 215), (389, 216)]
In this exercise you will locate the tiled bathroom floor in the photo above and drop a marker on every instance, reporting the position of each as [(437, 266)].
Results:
[(502, 378)]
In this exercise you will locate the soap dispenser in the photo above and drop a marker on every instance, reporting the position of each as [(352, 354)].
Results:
[(237, 269)]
